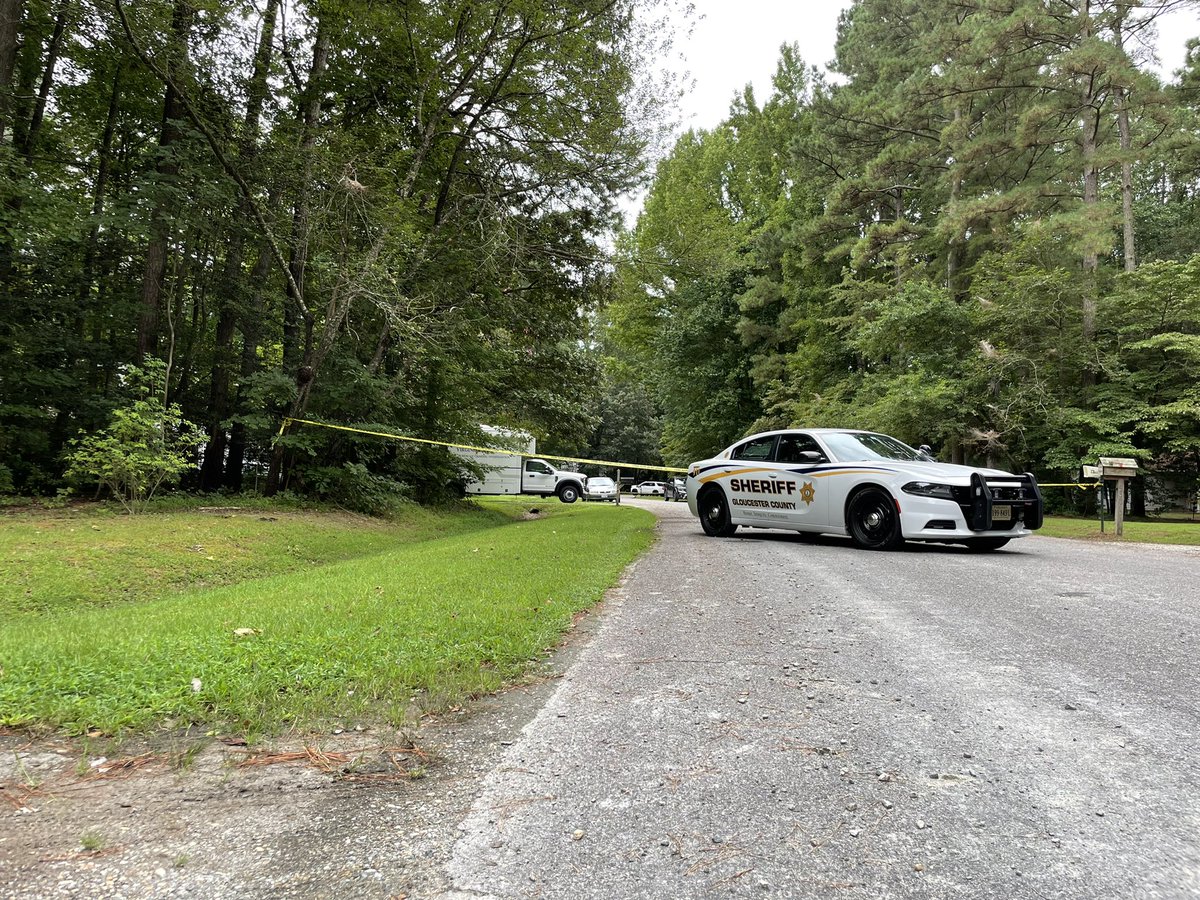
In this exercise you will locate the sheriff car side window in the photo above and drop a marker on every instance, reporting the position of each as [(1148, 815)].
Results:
[(537, 468), (793, 446), (757, 450)]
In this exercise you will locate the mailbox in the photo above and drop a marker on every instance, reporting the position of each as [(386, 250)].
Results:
[(1120, 470), (1118, 467)]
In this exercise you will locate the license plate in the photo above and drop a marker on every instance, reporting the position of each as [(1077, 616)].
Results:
[(1001, 513)]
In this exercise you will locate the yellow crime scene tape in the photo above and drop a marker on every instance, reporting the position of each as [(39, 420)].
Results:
[(570, 459), (400, 437)]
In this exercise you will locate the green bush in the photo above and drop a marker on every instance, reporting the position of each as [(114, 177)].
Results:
[(352, 486), (147, 443)]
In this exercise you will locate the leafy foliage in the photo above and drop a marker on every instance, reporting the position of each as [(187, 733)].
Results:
[(147, 443), (319, 209)]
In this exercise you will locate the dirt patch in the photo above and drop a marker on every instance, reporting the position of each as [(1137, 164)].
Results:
[(356, 815)]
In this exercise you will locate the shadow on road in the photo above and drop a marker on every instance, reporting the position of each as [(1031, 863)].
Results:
[(838, 542)]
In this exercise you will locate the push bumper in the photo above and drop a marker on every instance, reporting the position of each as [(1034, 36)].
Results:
[(1019, 492), (996, 507)]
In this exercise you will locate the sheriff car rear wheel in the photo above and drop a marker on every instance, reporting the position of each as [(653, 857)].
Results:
[(873, 520), (714, 514)]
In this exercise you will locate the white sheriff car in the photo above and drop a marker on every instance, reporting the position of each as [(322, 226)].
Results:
[(878, 490)]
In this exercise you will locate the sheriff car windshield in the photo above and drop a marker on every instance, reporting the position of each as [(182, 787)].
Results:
[(849, 446)]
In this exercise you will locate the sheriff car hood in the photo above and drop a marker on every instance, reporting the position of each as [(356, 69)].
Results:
[(943, 472)]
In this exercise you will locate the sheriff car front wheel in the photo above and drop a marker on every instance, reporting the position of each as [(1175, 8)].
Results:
[(714, 514), (873, 520)]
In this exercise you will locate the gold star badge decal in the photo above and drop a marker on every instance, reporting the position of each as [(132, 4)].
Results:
[(808, 493)]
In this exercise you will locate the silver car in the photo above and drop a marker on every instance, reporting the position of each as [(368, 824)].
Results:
[(600, 488)]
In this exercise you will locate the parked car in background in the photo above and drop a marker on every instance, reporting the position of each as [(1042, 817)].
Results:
[(675, 489), (600, 488), (649, 489)]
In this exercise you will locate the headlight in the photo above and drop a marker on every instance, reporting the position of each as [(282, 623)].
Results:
[(929, 489)]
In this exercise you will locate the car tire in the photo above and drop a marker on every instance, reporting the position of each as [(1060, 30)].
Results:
[(986, 545), (568, 493), (873, 520), (714, 514)]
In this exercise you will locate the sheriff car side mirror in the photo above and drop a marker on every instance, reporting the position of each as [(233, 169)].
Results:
[(926, 451), (811, 456)]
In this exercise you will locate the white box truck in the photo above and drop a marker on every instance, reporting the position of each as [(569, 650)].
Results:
[(518, 471)]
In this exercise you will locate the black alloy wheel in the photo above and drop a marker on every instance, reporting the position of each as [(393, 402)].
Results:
[(714, 514), (568, 493), (873, 520)]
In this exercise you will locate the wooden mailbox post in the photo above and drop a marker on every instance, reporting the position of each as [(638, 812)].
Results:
[(1119, 470)]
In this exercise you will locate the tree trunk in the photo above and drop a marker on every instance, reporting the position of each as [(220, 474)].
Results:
[(293, 322), (1091, 196), (175, 307), (88, 276), (1126, 182), (1089, 130), (251, 335), (168, 170), (1126, 160), (11, 13), (954, 249), (294, 319), (39, 108), (897, 215), (103, 167), (212, 473)]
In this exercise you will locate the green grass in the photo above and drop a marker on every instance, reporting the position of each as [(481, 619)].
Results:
[(72, 559), (92, 841), (1139, 531), (409, 629)]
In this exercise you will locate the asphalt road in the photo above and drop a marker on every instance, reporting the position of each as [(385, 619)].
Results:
[(765, 717)]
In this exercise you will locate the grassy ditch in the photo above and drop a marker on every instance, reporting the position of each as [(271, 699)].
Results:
[(1157, 531), (408, 629), (76, 558)]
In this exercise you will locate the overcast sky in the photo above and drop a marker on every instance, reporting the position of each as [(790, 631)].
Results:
[(736, 42)]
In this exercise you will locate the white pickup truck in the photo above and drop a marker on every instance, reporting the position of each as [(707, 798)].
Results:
[(518, 473)]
